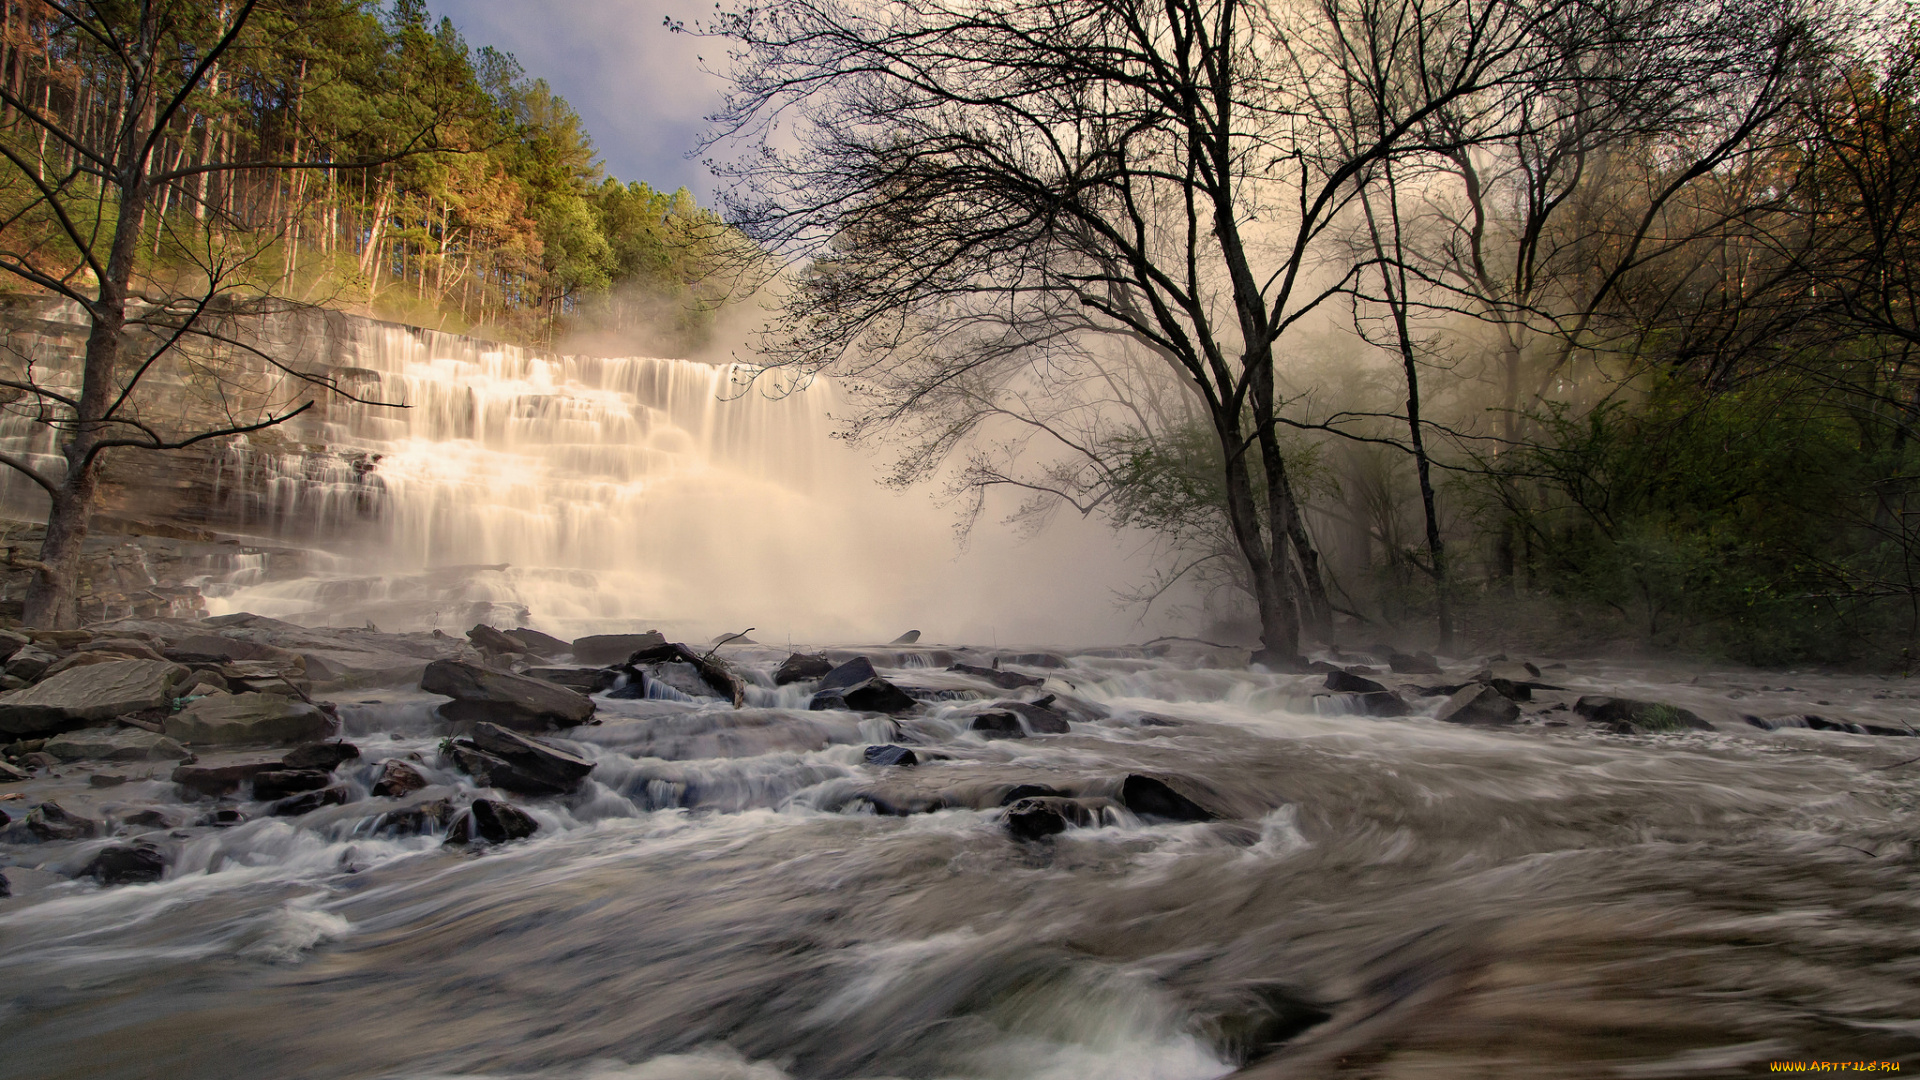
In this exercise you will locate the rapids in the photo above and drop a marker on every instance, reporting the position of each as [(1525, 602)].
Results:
[(720, 901)]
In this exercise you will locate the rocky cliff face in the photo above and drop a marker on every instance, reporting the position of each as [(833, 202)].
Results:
[(173, 527)]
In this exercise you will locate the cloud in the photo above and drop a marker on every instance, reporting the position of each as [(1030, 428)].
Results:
[(640, 89)]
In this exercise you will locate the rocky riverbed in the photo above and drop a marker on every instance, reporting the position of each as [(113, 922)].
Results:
[(237, 846)]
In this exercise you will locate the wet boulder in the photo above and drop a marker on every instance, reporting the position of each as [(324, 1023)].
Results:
[(1382, 703), (130, 864), (250, 718), (1034, 819), (852, 673), (114, 744), (416, 820), (398, 778), (998, 725), (505, 759), (801, 666), (12, 774), (215, 781), (489, 640), (489, 821), (496, 697), (1419, 663), (325, 756), (1040, 718), (581, 680), (276, 784), (873, 695), (50, 821), (1005, 680), (308, 802), (603, 649), (1153, 797), (537, 643), (1029, 791), (891, 755), (30, 662), (1480, 704), (1341, 682), (94, 692), (223, 817), (1626, 716), (714, 673)]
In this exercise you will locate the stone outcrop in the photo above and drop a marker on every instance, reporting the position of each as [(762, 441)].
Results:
[(497, 697), (114, 744), (1478, 703), (95, 692), (490, 821), (505, 759), (602, 649), (242, 719), (1627, 716)]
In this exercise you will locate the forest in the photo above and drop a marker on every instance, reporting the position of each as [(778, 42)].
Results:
[(422, 180), (1566, 324)]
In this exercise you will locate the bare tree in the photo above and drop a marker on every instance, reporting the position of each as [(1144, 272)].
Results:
[(977, 183), (78, 198)]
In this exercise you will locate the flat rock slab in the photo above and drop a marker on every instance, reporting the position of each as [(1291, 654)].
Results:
[(114, 744), (505, 759), (93, 692), (602, 649), (1478, 703), (235, 719), (485, 695), (217, 780)]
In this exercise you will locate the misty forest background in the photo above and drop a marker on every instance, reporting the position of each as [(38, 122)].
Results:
[(1688, 421)]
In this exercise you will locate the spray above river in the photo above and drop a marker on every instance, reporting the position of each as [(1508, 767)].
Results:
[(587, 493)]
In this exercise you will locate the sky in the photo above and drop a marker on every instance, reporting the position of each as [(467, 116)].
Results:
[(639, 89)]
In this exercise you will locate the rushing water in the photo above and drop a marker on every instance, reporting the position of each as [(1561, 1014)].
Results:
[(720, 900), (589, 494)]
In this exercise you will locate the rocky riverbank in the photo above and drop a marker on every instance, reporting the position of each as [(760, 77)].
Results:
[(134, 745)]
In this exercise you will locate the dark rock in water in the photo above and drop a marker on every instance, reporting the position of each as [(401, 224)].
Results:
[(6, 887), (1034, 819), (497, 697), (489, 640), (801, 666), (105, 780), (1442, 690), (891, 755), (998, 725), (911, 637), (1509, 689), (94, 692), (1321, 667), (1384, 703), (398, 778), (148, 819), (507, 760), (873, 695), (10, 774), (1040, 719), (49, 821), (416, 820), (325, 756), (1029, 791), (1478, 703), (307, 803), (716, 674), (129, 865), (1259, 1020), (1821, 723), (852, 673), (1626, 716), (1413, 663), (1032, 659), (280, 783), (1342, 683), (225, 817), (537, 643), (1152, 797), (584, 680), (218, 780), (1005, 680), (602, 649), (490, 821)]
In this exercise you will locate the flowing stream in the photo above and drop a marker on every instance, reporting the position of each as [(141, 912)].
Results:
[(721, 899)]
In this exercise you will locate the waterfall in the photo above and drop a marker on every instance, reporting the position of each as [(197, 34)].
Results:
[(590, 494)]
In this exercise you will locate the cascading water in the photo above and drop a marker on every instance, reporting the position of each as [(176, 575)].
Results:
[(585, 494)]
